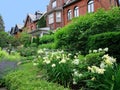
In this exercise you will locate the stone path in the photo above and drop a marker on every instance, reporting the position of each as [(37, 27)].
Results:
[(3, 88), (5, 67)]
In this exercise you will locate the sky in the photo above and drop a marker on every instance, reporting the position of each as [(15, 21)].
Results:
[(15, 11)]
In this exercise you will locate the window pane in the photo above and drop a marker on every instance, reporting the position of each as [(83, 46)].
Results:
[(54, 4), (90, 6), (58, 16), (51, 18), (76, 12), (69, 14)]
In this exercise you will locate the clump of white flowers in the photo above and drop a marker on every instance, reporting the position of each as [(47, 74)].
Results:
[(95, 69), (99, 50), (107, 61), (76, 76)]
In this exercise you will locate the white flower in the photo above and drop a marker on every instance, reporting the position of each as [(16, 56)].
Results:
[(80, 75), (76, 61), (74, 82), (53, 65), (100, 49), (93, 79), (102, 65), (90, 51), (94, 51), (74, 70), (40, 51), (48, 61), (62, 61), (106, 49), (69, 54)]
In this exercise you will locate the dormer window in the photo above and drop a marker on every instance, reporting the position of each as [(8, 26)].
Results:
[(54, 4), (91, 6)]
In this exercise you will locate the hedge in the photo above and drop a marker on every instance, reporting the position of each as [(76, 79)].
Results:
[(47, 39), (74, 36), (108, 39)]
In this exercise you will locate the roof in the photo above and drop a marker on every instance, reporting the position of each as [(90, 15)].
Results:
[(19, 26), (69, 2), (32, 17)]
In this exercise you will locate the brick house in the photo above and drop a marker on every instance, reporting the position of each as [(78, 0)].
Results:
[(75, 8), (30, 23), (15, 31), (60, 12), (54, 17)]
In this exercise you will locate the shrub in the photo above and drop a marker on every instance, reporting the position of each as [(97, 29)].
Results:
[(27, 51), (13, 56), (48, 46), (74, 36), (110, 40), (47, 39)]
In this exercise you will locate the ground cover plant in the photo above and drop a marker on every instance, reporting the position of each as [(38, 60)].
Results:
[(25, 78)]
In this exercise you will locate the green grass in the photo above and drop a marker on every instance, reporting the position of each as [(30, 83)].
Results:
[(25, 78)]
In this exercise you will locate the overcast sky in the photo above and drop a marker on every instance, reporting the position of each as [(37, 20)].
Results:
[(15, 11)]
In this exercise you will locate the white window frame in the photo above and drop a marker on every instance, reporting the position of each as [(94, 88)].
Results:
[(58, 16), (69, 14), (51, 18), (76, 11), (91, 6), (119, 2), (54, 4)]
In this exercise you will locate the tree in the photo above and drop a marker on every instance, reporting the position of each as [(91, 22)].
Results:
[(1, 23), (4, 39), (25, 38)]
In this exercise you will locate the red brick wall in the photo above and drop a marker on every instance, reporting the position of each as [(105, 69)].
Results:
[(55, 25), (30, 25), (82, 4)]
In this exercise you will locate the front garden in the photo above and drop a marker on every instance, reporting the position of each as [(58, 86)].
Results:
[(83, 55)]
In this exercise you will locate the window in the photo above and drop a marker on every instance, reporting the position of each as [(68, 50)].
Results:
[(76, 11), (119, 2), (90, 6), (69, 13), (54, 4), (58, 16), (51, 18)]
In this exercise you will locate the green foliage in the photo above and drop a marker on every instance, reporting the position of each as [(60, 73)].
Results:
[(110, 40), (47, 39), (25, 39), (48, 46), (74, 36), (27, 51), (25, 78), (108, 81), (13, 56), (42, 22), (94, 58), (4, 39), (1, 24)]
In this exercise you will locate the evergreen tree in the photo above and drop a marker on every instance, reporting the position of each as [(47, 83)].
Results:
[(1, 23)]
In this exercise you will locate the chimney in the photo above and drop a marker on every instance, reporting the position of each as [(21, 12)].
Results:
[(38, 14)]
